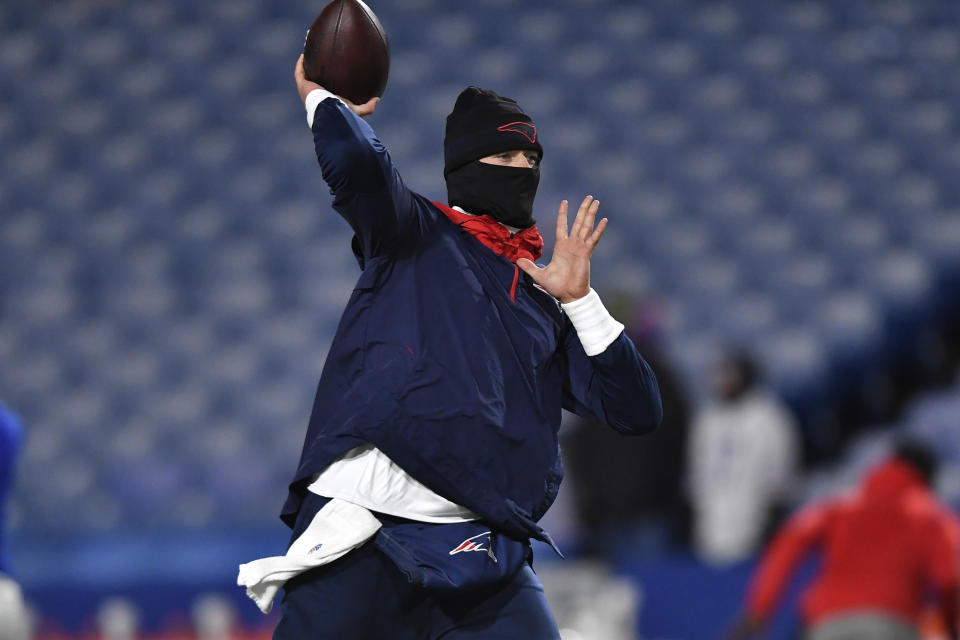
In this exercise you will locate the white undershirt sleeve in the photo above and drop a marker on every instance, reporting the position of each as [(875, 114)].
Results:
[(313, 100), (595, 327)]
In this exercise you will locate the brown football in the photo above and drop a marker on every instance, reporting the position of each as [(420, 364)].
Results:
[(347, 52)]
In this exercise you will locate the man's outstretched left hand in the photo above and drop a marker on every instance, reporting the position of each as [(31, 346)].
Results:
[(567, 276)]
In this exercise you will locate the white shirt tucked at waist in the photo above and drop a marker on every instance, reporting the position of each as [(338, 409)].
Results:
[(365, 476)]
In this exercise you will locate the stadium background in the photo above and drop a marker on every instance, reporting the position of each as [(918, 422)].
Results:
[(780, 174)]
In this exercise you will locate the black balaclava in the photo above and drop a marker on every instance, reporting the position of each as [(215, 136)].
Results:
[(483, 123)]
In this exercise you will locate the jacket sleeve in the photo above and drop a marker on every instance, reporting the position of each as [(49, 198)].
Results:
[(616, 387), (799, 535), (386, 216)]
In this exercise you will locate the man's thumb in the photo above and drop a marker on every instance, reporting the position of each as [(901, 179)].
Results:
[(529, 267)]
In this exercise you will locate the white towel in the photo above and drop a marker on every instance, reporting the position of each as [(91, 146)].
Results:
[(337, 528)]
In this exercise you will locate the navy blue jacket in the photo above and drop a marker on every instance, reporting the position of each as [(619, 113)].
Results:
[(436, 365)]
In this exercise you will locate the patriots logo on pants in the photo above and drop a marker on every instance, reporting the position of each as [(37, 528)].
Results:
[(470, 545)]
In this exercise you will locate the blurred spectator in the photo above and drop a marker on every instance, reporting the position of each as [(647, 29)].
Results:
[(214, 618), (13, 615), (118, 619), (886, 547), (14, 621), (592, 602), (743, 456), (626, 491)]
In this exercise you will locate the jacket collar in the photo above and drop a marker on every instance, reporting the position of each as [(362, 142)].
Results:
[(526, 243)]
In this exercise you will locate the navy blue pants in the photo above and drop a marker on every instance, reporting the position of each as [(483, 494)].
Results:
[(363, 596)]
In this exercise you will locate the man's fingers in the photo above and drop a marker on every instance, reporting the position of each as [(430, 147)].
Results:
[(576, 228), (562, 220), (364, 109), (298, 76), (587, 229), (304, 86), (597, 234), (298, 68), (367, 107)]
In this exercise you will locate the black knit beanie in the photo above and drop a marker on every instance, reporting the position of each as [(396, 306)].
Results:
[(483, 123)]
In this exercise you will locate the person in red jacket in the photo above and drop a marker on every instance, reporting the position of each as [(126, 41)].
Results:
[(887, 547)]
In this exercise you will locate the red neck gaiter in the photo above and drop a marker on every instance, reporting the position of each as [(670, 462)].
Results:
[(527, 243)]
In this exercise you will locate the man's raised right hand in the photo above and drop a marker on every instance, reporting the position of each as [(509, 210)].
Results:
[(305, 86)]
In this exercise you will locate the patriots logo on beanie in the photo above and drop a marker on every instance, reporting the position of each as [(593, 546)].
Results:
[(483, 123), (525, 129)]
